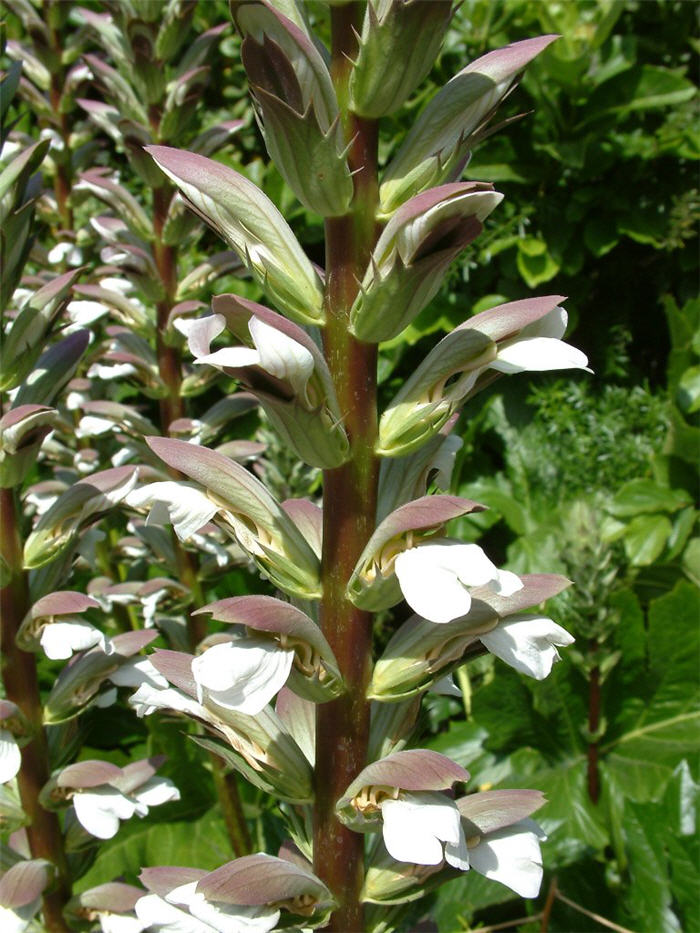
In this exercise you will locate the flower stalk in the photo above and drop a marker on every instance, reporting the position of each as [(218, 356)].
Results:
[(350, 498), (21, 685)]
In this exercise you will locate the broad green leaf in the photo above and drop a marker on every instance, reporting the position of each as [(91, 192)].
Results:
[(648, 897), (644, 495), (645, 539)]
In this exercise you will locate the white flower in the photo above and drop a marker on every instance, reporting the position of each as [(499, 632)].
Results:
[(85, 312), (424, 828), (527, 643), (446, 686), (148, 699), (61, 639), (69, 252), (274, 351), (512, 856), (434, 578), (186, 508), (100, 809), (538, 348), (15, 921), (157, 915), (229, 918), (119, 923), (10, 756), (242, 676), (138, 671)]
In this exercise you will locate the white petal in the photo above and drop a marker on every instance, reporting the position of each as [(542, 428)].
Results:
[(234, 918), (538, 354), (446, 686), (85, 312), (231, 357), (136, 672), (200, 332), (282, 356), (434, 578), (60, 639), (15, 921), (416, 825), (506, 583), (511, 856), (120, 923), (147, 699), (107, 698), (155, 791), (10, 756), (552, 324), (242, 677), (186, 508), (100, 809), (527, 643), (431, 589), (158, 915)]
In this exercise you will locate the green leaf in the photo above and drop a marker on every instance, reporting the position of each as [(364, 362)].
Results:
[(644, 495), (535, 263), (600, 235), (645, 539), (648, 897), (201, 843), (688, 392)]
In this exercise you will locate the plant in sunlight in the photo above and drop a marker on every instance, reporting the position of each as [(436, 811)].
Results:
[(286, 692)]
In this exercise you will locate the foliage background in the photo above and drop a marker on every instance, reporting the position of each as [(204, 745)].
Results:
[(594, 477)]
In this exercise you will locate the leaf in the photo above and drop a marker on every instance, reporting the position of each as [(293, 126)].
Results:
[(202, 843), (535, 263), (645, 538), (648, 897), (644, 495)]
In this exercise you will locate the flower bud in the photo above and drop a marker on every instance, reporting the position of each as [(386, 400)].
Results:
[(405, 33), (296, 106), (412, 255), (22, 431), (438, 143), (252, 225)]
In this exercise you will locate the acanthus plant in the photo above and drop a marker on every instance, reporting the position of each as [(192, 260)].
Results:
[(374, 821)]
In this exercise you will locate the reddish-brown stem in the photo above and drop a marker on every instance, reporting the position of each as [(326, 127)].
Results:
[(593, 775), (548, 905), (349, 497), (19, 677)]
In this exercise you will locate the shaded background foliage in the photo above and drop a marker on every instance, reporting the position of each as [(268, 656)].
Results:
[(594, 477)]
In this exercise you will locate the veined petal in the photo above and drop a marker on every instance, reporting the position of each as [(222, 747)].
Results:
[(148, 699), (231, 357), (416, 825), (242, 677), (158, 915), (527, 643), (538, 354), (512, 856), (155, 791), (200, 332), (136, 672), (225, 918), (10, 756), (100, 810), (281, 356), (434, 578), (60, 640), (186, 508)]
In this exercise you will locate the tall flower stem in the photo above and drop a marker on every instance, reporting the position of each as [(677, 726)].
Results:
[(21, 685), (350, 497)]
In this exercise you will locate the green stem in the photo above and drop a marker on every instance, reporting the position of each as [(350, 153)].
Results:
[(21, 685), (349, 512)]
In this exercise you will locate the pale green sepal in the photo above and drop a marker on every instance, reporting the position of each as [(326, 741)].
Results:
[(314, 435), (427, 400), (59, 527), (252, 225), (450, 123), (22, 431), (27, 336), (310, 160), (406, 35), (251, 513)]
